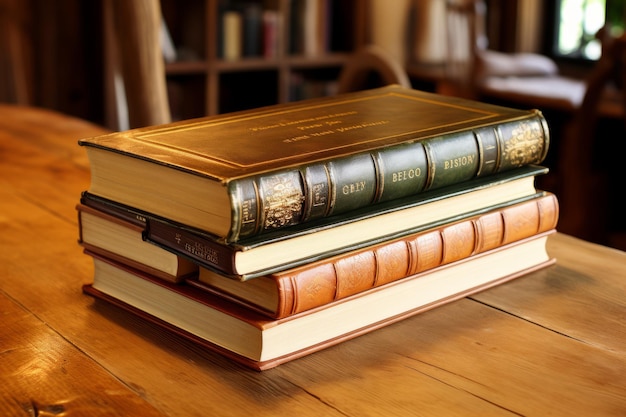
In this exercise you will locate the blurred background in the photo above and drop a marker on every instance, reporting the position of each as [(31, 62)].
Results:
[(564, 57)]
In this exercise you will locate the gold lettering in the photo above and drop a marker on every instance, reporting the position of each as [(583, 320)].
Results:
[(247, 214), (319, 196), (459, 162), (203, 252), (299, 121), (326, 132), (352, 188), (363, 125), (310, 126), (407, 174), (297, 138)]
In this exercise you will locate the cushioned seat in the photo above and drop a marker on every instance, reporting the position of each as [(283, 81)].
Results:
[(543, 92), (519, 79)]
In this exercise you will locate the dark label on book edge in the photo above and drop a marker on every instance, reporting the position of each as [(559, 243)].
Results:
[(190, 245)]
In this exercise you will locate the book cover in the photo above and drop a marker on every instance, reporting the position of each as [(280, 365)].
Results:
[(261, 343), (241, 174), (307, 242), (293, 291)]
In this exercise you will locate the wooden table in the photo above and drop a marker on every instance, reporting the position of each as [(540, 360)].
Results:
[(550, 343)]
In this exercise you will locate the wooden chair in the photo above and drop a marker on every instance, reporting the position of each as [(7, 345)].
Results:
[(522, 79), (572, 106), (15, 55), (135, 68), (135, 83), (585, 175), (371, 67)]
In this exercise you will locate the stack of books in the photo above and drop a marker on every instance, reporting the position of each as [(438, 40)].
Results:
[(272, 233)]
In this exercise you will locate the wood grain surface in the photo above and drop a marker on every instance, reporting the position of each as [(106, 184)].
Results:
[(550, 343)]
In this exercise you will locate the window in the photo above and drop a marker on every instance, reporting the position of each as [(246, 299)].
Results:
[(577, 23)]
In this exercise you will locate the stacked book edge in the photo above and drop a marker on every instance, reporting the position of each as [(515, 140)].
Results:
[(316, 243)]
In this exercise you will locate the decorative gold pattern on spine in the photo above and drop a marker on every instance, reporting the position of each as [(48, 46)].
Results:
[(283, 201), (526, 145)]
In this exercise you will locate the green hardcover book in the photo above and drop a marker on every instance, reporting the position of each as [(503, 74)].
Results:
[(242, 174), (307, 242)]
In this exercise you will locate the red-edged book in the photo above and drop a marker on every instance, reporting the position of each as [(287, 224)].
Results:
[(260, 343)]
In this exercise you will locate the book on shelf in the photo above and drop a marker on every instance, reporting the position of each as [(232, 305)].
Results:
[(308, 242), (295, 24), (313, 25), (248, 29), (121, 238), (295, 290), (261, 343), (310, 26), (232, 35), (242, 174), (272, 29), (252, 28)]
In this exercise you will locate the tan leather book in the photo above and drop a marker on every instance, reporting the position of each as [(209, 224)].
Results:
[(259, 342), (243, 174), (232, 35), (321, 283)]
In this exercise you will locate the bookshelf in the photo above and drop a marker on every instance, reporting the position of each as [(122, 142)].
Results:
[(210, 75)]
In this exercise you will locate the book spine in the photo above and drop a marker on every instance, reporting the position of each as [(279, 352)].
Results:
[(274, 200), (192, 246), (310, 287), (311, 45), (127, 214), (252, 28), (232, 26), (271, 33), (203, 251)]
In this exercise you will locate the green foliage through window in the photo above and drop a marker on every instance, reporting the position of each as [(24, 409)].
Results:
[(578, 23)]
